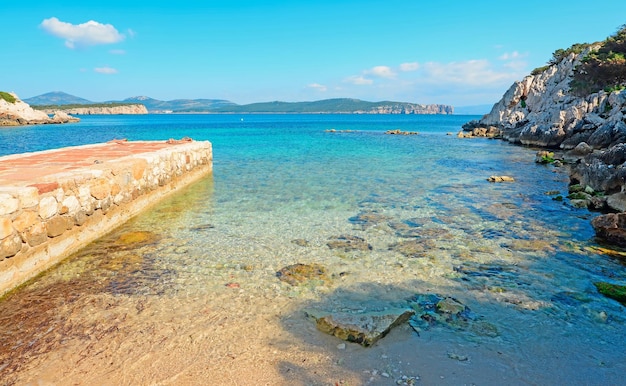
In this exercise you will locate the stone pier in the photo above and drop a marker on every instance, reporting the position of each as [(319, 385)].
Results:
[(54, 202)]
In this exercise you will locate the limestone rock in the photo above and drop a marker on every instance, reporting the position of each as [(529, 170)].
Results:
[(611, 227), (365, 328), (20, 113), (501, 179), (36, 234), (10, 246), (6, 227)]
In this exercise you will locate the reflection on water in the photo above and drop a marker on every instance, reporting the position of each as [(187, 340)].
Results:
[(188, 292)]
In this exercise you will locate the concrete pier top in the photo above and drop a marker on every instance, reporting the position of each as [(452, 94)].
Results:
[(54, 202), (31, 168)]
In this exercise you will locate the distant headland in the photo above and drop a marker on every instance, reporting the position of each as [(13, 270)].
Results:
[(69, 103)]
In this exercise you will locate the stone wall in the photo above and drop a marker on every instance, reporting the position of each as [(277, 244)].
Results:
[(43, 223)]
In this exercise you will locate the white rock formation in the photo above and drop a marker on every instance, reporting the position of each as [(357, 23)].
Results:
[(20, 113)]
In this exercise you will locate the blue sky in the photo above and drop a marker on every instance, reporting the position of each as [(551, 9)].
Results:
[(453, 52)]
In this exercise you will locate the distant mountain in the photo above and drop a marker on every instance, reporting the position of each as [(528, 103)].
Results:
[(340, 105), (179, 105), (56, 98), (473, 110)]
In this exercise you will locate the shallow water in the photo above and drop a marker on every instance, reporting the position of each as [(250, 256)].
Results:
[(188, 293)]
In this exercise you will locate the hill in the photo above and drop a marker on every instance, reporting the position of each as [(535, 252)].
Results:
[(179, 105), (56, 98), (338, 106), (327, 106)]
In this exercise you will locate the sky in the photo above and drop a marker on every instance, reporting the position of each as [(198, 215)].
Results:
[(456, 52)]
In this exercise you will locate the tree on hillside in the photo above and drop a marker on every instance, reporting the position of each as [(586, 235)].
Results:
[(604, 69)]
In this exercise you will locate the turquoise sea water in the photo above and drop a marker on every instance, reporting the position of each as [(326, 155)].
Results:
[(284, 185)]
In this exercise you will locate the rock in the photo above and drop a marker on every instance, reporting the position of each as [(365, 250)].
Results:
[(6, 227), (611, 227), (365, 328), (297, 274), (501, 179), (10, 246), (300, 242), (400, 132), (544, 157), (613, 291), (617, 202), (135, 238), (369, 219), (19, 113), (433, 309), (349, 243), (414, 248)]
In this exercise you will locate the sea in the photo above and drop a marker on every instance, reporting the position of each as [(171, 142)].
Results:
[(192, 291)]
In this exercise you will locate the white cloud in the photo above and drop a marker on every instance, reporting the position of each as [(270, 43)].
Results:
[(407, 67), (80, 35), (511, 56), (381, 72), (318, 87), (105, 70), (358, 80), (469, 73)]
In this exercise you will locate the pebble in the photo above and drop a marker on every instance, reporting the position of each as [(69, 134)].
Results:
[(341, 346)]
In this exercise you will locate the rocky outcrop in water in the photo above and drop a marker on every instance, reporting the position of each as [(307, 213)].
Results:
[(102, 110), (16, 113)]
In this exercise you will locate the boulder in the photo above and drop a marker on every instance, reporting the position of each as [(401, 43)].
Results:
[(611, 228), (501, 179), (363, 327)]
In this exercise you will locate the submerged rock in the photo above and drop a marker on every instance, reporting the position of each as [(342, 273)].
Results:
[(369, 219), (297, 274), (435, 310), (349, 243), (414, 248), (136, 237), (365, 328)]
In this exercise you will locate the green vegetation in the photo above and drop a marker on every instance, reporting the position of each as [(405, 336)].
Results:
[(547, 158), (604, 68), (78, 106), (7, 97), (539, 70), (613, 291)]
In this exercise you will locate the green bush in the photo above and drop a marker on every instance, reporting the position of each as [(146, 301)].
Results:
[(7, 97), (539, 70)]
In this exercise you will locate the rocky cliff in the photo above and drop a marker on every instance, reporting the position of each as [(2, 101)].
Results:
[(15, 112), (102, 110), (587, 132), (409, 108)]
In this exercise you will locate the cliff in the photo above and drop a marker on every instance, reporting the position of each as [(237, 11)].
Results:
[(100, 110), (575, 106), (15, 112)]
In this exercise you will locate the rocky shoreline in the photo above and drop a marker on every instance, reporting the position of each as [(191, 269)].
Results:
[(585, 134), (16, 112)]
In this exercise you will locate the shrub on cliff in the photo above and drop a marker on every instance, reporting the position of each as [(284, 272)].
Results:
[(7, 97), (602, 69)]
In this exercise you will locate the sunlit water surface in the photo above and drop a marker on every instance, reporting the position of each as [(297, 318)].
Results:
[(284, 186)]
